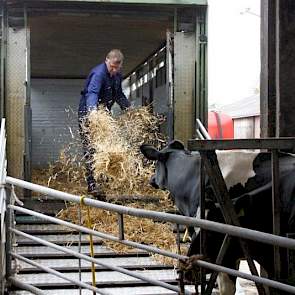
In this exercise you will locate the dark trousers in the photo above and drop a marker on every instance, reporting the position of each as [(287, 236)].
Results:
[(88, 152)]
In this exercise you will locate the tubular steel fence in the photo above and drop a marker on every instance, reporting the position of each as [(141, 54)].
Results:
[(2, 207), (7, 252)]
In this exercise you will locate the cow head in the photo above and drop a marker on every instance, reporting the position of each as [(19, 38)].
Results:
[(159, 179), (176, 170)]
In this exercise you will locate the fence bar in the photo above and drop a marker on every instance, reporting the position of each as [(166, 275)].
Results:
[(200, 263), (231, 144), (205, 224), (58, 274), (96, 261), (121, 226), (259, 280), (8, 241), (25, 286), (99, 234), (199, 134), (204, 132)]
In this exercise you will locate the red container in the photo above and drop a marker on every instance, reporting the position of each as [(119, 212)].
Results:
[(220, 126)]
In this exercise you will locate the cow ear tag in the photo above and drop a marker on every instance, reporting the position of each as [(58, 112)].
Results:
[(176, 144)]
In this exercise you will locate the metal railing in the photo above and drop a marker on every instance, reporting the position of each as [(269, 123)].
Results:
[(189, 221), (121, 211), (2, 206), (207, 149)]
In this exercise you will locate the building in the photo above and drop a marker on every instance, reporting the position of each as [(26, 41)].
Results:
[(246, 116)]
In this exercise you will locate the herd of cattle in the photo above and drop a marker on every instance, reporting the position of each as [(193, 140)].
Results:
[(248, 179)]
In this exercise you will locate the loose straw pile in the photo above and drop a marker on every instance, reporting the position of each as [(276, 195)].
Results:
[(118, 165), (119, 169)]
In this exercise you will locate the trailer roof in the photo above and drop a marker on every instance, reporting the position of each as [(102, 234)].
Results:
[(69, 37), (159, 2)]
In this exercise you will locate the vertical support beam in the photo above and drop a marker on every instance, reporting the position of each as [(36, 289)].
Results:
[(3, 57), (228, 211), (277, 94), (121, 226), (180, 271), (201, 95), (202, 232), (151, 82), (27, 108), (219, 260), (268, 107), (15, 100), (170, 84), (285, 14), (184, 82), (277, 71), (276, 208), (3, 208)]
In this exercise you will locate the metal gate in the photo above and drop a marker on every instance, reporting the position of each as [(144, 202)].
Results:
[(7, 217)]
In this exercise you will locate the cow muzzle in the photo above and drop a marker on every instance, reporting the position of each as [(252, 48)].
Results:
[(153, 182)]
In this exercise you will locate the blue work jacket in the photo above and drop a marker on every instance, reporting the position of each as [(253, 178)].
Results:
[(102, 88)]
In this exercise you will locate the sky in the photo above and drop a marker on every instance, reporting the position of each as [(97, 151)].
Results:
[(233, 50)]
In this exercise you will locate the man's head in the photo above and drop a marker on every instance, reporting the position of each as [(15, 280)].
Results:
[(114, 61)]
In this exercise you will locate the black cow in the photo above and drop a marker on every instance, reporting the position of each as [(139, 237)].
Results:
[(248, 178)]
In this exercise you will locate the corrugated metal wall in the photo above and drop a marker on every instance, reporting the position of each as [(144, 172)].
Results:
[(54, 117)]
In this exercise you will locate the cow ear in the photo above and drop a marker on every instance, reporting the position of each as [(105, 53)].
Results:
[(150, 152), (176, 144)]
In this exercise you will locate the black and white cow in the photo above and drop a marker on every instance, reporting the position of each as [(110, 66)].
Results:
[(248, 179)]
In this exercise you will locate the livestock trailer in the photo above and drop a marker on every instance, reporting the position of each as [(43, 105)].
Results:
[(48, 47)]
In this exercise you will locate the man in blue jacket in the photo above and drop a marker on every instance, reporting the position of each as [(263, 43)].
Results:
[(103, 86)]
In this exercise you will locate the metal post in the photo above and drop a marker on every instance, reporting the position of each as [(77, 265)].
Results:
[(201, 108), (276, 207), (170, 85), (79, 248), (219, 259), (202, 237), (27, 108), (2, 50), (8, 244), (121, 226), (227, 208), (3, 57), (180, 271)]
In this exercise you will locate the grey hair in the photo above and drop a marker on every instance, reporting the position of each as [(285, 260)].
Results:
[(115, 54)]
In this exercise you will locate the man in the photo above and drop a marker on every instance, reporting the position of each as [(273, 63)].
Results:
[(102, 87)]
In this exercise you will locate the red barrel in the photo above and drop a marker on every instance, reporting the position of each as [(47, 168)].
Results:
[(220, 125)]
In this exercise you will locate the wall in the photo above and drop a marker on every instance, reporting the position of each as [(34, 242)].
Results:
[(54, 117), (248, 127)]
